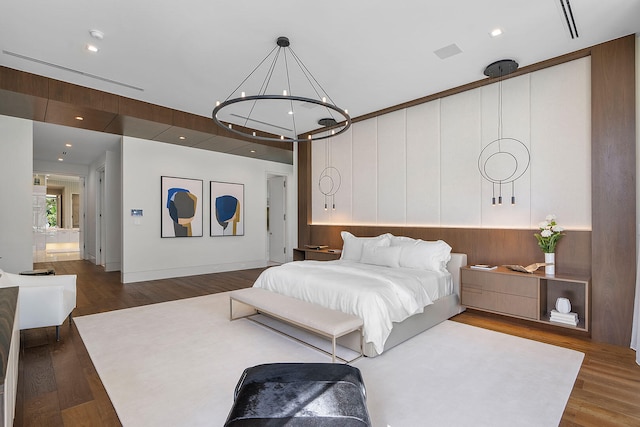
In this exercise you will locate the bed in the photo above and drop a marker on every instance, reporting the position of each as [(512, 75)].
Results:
[(399, 286)]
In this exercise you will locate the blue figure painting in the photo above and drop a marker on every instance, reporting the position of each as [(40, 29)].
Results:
[(228, 210), (182, 209)]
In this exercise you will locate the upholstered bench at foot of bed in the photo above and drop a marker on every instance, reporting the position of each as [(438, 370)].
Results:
[(300, 395), (322, 321)]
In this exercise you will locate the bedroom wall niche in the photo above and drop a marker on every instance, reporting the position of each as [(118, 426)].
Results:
[(515, 121), (423, 164), (460, 188), (147, 256), (337, 152), (419, 166), (364, 172), (561, 142), (392, 176)]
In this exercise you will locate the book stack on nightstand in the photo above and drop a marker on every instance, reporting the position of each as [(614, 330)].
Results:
[(564, 318)]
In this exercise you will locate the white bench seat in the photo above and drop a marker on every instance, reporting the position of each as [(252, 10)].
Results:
[(314, 318)]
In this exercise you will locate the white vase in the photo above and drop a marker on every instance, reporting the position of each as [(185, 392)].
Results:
[(563, 305), (550, 270)]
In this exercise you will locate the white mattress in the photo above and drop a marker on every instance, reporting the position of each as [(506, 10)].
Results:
[(378, 295)]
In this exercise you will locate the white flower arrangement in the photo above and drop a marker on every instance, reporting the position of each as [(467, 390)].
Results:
[(550, 234)]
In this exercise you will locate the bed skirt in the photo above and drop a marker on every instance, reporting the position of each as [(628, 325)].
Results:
[(438, 312)]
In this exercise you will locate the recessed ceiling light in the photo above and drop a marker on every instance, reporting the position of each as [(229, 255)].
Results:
[(68, 145), (92, 48), (182, 137), (79, 118), (495, 32), (253, 151), (60, 159)]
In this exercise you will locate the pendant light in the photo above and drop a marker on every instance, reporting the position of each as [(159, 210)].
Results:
[(505, 159)]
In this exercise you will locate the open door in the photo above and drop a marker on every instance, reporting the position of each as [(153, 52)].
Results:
[(276, 219)]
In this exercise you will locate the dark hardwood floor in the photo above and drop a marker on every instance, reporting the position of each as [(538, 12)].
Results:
[(59, 386)]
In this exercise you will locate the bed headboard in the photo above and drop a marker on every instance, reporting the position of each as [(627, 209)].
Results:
[(457, 261)]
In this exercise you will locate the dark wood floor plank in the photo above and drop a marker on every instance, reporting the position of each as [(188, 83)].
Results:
[(88, 414), (105, 410), (606, 392), (39, 377), (42, 411), (73, 388)]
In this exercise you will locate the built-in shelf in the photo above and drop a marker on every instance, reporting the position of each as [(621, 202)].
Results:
[(526, 296)]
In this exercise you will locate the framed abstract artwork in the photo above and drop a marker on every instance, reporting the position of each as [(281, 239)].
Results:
[(227, 209), (181, 208)]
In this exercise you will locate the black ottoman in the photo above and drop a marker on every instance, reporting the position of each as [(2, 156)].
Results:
[(300, 395)]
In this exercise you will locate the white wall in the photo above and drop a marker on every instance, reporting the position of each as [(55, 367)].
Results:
[(113, 211), (419, 166), (90, 230), (16, 189), (110, 243), (147, 256)]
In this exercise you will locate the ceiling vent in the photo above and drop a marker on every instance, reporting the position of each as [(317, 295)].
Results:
[(448, 51), (71, 70), (569, 19)]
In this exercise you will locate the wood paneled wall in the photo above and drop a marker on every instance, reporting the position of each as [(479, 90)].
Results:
[(482, 245), (304, 194), (608, 252), (613, 173)]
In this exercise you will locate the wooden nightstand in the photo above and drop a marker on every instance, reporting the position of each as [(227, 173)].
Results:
[(302, 254), (526, 296)]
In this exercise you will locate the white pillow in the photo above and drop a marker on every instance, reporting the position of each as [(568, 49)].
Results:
[(352, 246), (386, 256), (425, 255), (401, 240)]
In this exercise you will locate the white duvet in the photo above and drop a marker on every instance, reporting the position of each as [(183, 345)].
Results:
[(378, 295)]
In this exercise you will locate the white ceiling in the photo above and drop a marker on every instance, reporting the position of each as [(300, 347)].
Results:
[(50, 144), (367, 54)]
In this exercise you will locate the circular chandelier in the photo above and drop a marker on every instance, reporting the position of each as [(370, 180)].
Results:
[(275, 112)]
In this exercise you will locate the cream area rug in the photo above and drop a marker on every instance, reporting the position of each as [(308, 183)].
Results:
[(177, 363)]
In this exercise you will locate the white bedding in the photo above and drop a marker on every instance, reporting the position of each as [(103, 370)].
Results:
[(378, 295)]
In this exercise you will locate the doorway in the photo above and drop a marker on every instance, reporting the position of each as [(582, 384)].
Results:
[(277, 219), (56, 225)]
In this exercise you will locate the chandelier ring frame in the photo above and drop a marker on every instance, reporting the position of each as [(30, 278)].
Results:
[(290, 98)]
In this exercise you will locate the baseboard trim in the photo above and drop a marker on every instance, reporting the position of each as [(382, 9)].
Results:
[(141, 276)]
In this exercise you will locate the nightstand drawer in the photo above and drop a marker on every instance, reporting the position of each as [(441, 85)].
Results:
[(524, 286), (321, 256), (517, 305), (302, 254)]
